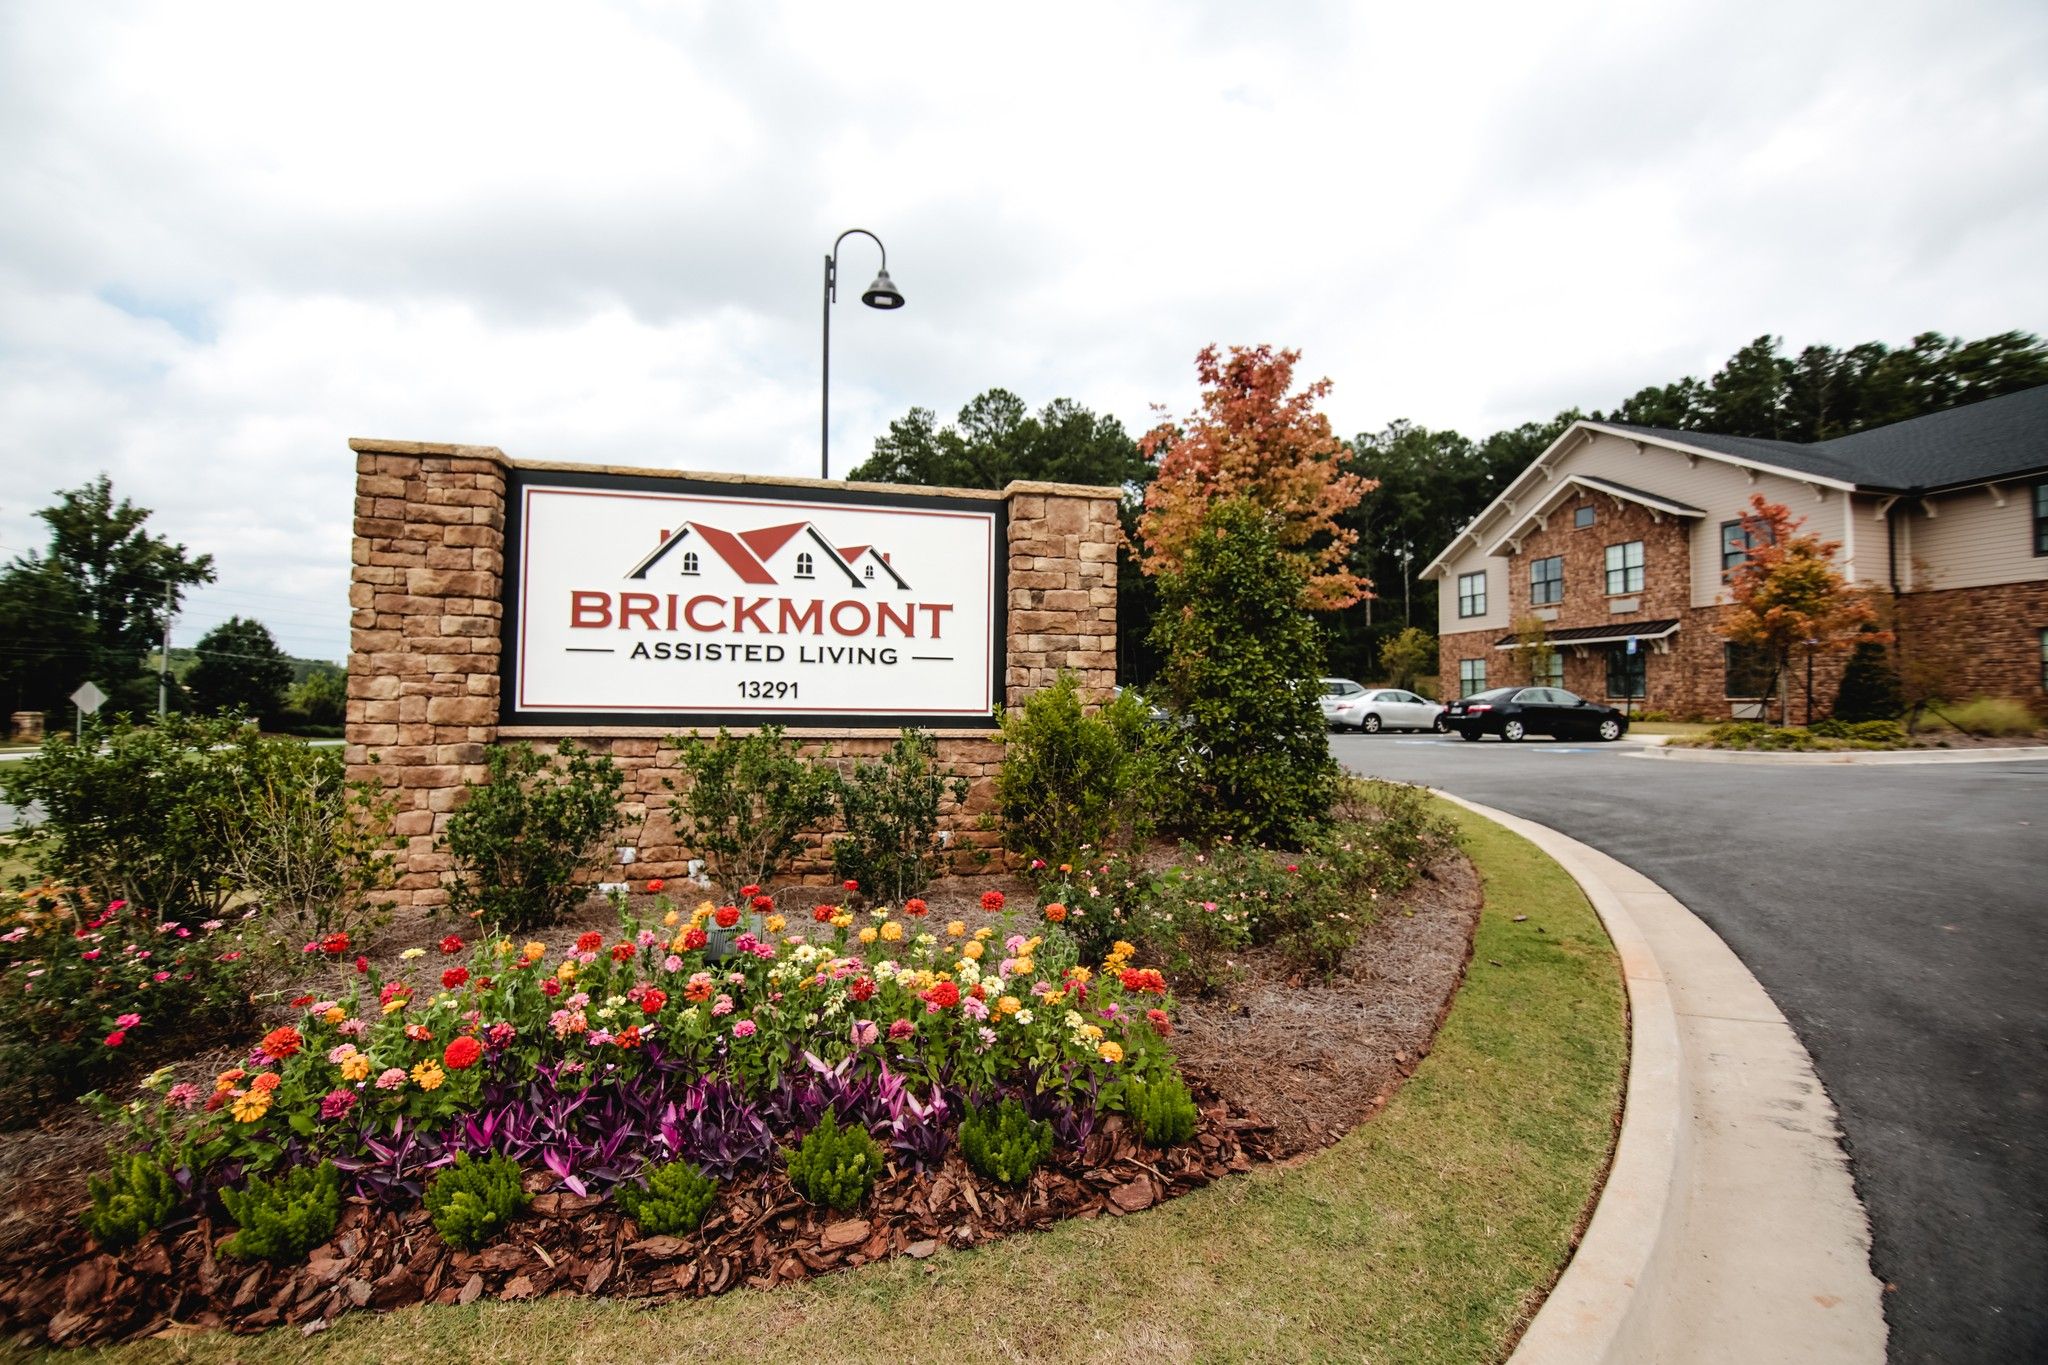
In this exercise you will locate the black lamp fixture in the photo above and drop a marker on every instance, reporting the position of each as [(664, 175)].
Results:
[(882, 294)]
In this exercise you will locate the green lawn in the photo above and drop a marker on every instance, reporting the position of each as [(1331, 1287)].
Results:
[(1426, 1235)]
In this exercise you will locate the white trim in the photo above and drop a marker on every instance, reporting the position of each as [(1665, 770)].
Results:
[(1659, 505)]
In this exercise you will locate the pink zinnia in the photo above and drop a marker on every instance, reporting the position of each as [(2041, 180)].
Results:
[(743, 1029), (393, 1079), (865, 1032), (337, 1103), (900, 1030)]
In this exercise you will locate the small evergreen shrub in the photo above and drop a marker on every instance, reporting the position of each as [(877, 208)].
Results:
[(835, 1166), (1870, 686), (283, 1219), (1242, 657), (1071, 781), (747, 803), (136, 1196), (472, 1201), (527, 829), (1889, 733), (1003, 1142), (677, 1197), (890, 810), (1162, 1110)]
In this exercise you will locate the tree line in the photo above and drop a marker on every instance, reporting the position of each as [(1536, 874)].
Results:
[(92, 604), (1427, 483)]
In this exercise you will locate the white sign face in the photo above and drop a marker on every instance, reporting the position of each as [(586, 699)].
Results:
[(88, 698), (646, 600)]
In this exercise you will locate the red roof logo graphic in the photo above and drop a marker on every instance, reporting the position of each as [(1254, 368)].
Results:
[(753, 555)]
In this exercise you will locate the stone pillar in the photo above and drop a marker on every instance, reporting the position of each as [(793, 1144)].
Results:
[(426, 592), (1062, 604), (28, 727)]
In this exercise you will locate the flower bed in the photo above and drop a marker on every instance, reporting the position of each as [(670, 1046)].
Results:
[(717, 1037)]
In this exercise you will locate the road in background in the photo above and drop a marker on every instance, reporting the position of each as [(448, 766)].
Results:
[(1896, 915)]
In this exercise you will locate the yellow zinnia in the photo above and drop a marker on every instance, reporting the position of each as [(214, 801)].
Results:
[(973, 950), (428, 1076), (956, 929), (1110, 1052), (251, 1107), (775, 924), (1009, 1004), (892, 932), (1025, 966), (355, 1068), (672, 919), (843, 919), (869, 934)]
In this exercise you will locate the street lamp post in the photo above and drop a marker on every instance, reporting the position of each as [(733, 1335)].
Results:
[(881, 294)]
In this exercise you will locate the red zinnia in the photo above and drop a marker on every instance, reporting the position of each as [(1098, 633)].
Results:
[(763, 904), (454, 978), (334, 945), (750, 890), (727, 916), (461, 1054), (621, 951), (590, 942), (551, 987), (991, 900), (823, 914), (652, 1001), (945, 995), (915, 907), (1159, 1021), (362, 966), (1145, 979), (656, 885), (693, 939), (282, 1042), (452, 944), (850, 884), (117, 1037), (1055, 912), (862, 989), (629, 1036), (300, 1002)]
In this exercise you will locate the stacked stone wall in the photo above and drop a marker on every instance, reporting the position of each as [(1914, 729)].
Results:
[(426, 594)]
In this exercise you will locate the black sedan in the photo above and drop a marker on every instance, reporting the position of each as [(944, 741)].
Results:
[(1513, 712)]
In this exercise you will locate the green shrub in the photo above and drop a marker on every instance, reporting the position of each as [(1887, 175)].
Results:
[(677, 1197), (1991, 716), (311, 846), (1003, 1142), (890, 810), (136, 1196), (1101, 903), (1071, 781), (1888, 733), (526, 830), (80, 1005), (1409, 657), (748, 801), (138, 813), (835, 1166), (1242, 658), (1870, 686), (1199, 914), (472, 1201), (1161, 1110), (1829, 727), (283, 1219)]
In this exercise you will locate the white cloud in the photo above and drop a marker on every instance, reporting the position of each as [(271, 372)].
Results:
[(235, 235)]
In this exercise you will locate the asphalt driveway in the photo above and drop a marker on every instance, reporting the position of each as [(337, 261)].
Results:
[(1897, 915)]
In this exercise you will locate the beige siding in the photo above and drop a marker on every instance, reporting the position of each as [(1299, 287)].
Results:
[(1472, 561), (1970, 541)]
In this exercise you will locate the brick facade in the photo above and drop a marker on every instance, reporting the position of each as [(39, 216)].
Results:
[(426, 593), (1987, 641), (1684, 674)]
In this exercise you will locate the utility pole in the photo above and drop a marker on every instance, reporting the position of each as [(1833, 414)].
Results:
[(163, 663)]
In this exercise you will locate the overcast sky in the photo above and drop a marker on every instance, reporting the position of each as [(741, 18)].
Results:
[(234, 235)]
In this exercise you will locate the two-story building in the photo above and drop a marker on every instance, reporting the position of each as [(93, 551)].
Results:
[(1619, 539)]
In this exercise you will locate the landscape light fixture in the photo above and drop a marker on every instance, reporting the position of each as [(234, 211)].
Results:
[(882, 294)]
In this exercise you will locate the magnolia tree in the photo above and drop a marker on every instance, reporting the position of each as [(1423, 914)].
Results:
[(1254, 439), (1788, 595)]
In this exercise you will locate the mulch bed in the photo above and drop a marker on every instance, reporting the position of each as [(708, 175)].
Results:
[(1279, 1069)]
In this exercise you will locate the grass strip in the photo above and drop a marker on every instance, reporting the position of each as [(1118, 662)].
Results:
[(1426, 1235)]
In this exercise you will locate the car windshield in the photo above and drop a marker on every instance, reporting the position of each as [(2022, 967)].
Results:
[(1340, 687), (1497, 694)]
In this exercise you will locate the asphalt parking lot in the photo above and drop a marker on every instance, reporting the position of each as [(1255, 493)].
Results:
[(1896, 914)]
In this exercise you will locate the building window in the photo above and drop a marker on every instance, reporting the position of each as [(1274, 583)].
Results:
[(1626, 674), (1747, 670), (1734, 546), (1582, 517), (1547, 669), (803, 565), (2041, 518), (1472, 594), (689, 561), (1624, 568), (1546, 580), (1471, 676)]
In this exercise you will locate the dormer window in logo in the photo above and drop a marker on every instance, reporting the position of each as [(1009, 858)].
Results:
[(753, 556)]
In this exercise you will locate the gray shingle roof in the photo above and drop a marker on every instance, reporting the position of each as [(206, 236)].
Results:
[(1999, 437)]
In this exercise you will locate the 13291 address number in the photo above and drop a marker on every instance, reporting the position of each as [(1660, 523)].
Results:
[(755, 689)]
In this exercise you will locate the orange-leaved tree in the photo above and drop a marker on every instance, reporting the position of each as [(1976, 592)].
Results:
[(1788, 594), (1253, 439)]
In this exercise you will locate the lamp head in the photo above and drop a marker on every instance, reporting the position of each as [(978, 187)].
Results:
[(882, 293)]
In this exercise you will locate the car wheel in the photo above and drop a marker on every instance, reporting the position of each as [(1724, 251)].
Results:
[(1439, 726), (1610, 728), (1512, 731), (1371, 725), (1468, 734)]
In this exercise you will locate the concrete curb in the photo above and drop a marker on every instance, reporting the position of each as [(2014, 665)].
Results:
[(1729, 1229), (1896, 757)]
